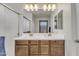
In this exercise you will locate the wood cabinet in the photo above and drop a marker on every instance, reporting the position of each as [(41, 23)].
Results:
[(39, 48), (44, 47), (33, 47), (57, 48), (21, 48)]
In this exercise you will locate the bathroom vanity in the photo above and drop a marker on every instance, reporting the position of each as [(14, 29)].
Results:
[(40, 45)]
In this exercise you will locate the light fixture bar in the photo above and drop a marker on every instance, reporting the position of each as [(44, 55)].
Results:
[(45, 7)]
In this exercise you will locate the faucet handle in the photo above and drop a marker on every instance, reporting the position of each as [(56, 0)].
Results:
[(31, 34), (49, 34)]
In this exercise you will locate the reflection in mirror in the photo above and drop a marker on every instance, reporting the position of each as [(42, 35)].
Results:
[(55, 21), (43, 26), (26, 25), (42, 21), (60, 20)]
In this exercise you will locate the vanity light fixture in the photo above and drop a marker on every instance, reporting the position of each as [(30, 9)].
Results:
[(44, 7)]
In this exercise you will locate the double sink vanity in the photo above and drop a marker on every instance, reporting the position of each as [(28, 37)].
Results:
[(35, 44)]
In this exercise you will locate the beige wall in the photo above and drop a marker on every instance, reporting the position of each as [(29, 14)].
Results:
[(8, 28), (70, 49)]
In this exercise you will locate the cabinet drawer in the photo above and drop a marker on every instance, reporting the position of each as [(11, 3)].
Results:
[(44, 42), (57, 43), (21, 42), (34, 42), (61, 42)]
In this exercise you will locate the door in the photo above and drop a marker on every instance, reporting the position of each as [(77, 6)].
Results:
[(33, 48), (21, 48), (57, 47), (44, 47), (43, 26)]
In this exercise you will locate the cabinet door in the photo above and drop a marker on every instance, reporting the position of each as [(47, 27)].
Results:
[(33, 50), (57, 48), (44, 47), (34, 47), (44, 50), (33, 42), (40, 47), (21, 48), (21, 51), (57, 51)]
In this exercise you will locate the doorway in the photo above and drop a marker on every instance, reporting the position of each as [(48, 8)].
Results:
[(43, 26)]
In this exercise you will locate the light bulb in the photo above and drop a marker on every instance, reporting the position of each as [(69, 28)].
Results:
[(36, 7), (49, 7), (31, 7), (44, 7), (53, 7), (27, 7)]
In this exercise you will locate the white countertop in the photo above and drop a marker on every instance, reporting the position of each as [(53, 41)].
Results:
[(41, 36)]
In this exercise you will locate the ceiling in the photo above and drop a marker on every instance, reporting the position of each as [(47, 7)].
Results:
[(40, 13)]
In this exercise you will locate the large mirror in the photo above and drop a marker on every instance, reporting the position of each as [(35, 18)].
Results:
[(40, 20)]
